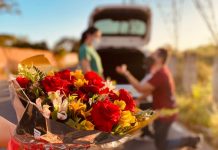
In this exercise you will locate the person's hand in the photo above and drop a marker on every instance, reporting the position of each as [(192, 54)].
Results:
[(122, 69)]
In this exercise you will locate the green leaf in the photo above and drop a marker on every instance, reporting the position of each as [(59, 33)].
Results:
[(32, 73), (72, 97), (54, 115), (41, 75), (37, 92), (74, 123)]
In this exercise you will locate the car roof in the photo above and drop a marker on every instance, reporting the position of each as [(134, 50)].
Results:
[(142, 12), (141, 7)]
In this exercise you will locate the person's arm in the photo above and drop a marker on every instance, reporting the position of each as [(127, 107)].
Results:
[(84, 58), (142, 98), (145, 88), (85, 65)]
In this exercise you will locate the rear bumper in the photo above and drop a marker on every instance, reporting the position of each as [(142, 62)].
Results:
[(129, 88)]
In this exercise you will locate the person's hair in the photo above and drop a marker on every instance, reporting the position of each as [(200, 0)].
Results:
[(90, 30), (163, 54)]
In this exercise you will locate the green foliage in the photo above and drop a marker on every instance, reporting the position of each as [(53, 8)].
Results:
[(32, 73), (206, 52), (60, 52), (74, 123), (9, 6), (7, 40), (26, 44), (196, 109), (119, 130), (41, 75), (54, 115), (204, 71), (35, 75), (214, 127), (199, 110), (205, 58), (21, 42)]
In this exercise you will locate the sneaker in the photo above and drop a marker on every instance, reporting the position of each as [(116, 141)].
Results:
[(147, 138), (195, 141)]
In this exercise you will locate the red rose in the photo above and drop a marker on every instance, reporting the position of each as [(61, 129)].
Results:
[(91, 89), (91, 75), (53, 83), (104, 91), (113, 96), (94, 79), (65, 75), (81, 95), (95, 83), (105, 115), (23, 82), (125, 96)]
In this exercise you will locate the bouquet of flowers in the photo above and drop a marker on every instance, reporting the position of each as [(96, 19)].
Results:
[(75, 105)]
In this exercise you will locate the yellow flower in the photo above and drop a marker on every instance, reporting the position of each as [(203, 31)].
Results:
[(78, 108), (86, 125), (127, 119), (77, 74), (80, 82), (121, 104), (50, 73)]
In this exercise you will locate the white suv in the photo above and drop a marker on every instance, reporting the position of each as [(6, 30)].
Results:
[(126, 31)]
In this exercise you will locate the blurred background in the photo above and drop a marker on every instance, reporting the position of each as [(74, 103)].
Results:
[(189, 27)]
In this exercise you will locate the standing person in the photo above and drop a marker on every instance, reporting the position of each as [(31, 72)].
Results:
[(88, 56), (161, 87)]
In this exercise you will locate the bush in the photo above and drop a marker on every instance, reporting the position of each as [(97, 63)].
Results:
[(214, 127), (199, 112), (198, 104), (204, 72)]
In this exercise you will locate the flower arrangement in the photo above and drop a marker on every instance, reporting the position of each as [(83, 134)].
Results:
[(81, 101)]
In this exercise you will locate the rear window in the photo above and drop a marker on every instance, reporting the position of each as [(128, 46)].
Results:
[(132, 27)]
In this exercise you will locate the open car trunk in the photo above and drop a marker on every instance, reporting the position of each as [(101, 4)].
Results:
[(112, 57), (121, 23)]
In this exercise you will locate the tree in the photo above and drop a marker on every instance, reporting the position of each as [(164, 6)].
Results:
[(67, 44), (21, 42), (25, 44), (207, 12), (9, 6), (7, 40), (172, 17)]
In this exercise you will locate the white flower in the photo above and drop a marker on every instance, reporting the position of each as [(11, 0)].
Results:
[(90, 101), (45, 111), (55, 95), (62, 115), (64, 105), (56, 99), (39, 103), (61, 106), (109, 84)]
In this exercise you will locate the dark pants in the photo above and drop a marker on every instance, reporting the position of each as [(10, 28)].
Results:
[(161, 129)]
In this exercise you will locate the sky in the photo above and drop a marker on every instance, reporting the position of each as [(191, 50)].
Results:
[(51, 20)]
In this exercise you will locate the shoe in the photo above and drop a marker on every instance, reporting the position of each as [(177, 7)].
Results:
[(147, 138), (195, 141)]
